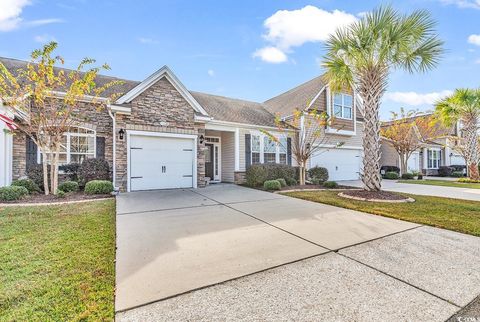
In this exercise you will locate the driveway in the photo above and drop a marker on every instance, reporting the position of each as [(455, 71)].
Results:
[(425, 190), (231, 253)]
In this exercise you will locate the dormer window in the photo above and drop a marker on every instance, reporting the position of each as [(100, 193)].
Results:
[(343, 106)]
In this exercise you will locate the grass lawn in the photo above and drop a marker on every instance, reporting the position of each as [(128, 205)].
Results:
[(57, 262), (454, 214), (444, 183)]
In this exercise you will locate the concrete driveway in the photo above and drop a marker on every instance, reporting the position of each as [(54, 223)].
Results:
[(232, 253), (425, 190)]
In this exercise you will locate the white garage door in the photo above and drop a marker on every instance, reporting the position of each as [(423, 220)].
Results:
[(342, 164), (161, 162)]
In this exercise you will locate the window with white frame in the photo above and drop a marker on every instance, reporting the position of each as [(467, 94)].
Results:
[(77, 145), (343, 106), (266, 150), (433, 158)]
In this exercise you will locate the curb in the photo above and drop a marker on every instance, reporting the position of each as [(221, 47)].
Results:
[(341, 194), (318, 189), (56, 203)]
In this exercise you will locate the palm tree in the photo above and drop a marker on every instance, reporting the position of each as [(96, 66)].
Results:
[(362, 56), (464, 106)]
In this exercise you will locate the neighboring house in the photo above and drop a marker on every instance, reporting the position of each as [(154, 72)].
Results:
[(160, 135), (436, 150)]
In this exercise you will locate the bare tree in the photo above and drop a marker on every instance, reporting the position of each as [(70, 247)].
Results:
[(45, 102)]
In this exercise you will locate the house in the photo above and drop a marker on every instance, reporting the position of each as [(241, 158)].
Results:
[(436, 150), (160, 135)]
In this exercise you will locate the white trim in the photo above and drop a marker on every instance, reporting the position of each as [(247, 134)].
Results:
[(211, 126), (342, 147), (330, 130), (316, 97), (166, 72), (218, 145), (262, 152), (83, 98), (120, 109), (163, 134)]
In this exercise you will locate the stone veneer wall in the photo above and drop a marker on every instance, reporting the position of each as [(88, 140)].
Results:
[(161, 108), (93, 117)]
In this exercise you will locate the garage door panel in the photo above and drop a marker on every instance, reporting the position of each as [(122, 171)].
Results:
[(342, 164), (161, 163)]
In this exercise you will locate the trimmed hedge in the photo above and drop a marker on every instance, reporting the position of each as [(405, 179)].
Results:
[(12, 193), (445, 171), (391, 176), (93, 169), (70, 170), (318, 173), (390, 168), (468, 180), (272, 185), (457, 174), (29, 184), (291, 181), (98, 187), (407, 176), (282, 181), (330, 184), (35, 173), (257, 174), (68, 186)]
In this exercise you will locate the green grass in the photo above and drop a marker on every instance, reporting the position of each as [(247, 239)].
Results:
[(57, 262), (454, 214), (443, 183)]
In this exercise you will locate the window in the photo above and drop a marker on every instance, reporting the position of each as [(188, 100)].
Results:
[(269, 150), (433, 159), (266, 150), (255, 149), (343, 106), (78, 144)]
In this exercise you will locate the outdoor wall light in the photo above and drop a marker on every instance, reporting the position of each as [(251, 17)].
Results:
[(121, 133), (202, 139)]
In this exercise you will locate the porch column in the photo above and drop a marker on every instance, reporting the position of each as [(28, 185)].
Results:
[(237, 149)]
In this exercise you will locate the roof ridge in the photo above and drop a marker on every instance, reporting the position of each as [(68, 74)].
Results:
[(227, 97)]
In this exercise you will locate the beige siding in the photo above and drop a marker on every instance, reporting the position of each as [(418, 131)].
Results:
[(389, 155), (228, 156)]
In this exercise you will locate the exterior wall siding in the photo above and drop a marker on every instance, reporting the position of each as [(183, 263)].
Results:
[(389, 155), (228, 156)]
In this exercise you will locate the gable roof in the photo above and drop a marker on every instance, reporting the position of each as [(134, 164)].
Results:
[(235, 110), (13, 65), (440, 130), (152, 79), (296, 98)]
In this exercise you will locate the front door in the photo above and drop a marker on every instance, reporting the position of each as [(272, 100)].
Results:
[(209, 161)]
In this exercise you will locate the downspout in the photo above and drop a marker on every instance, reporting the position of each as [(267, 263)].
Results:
[(114, 153)]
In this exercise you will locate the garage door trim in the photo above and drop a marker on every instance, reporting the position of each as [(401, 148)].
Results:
[(162, 134)]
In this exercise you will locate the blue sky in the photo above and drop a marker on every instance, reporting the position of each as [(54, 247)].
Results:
[(245, 49)]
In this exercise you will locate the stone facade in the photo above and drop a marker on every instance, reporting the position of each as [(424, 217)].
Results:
[(160, 108), (240, 177), (19, 156)]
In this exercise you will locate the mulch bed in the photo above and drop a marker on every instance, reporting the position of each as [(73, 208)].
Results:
[(377, 195), (41, 198), (313, 186)]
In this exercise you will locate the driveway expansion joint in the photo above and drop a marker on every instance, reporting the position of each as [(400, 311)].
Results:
[(163, 209)]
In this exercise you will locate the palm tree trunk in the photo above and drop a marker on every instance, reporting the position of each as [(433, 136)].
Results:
[(472, 152), (371, 92)]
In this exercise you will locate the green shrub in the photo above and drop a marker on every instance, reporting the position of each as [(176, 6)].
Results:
[(457, 174), (29, 184), (291, 181), (283, 182), (420, 177), (316, 181), (93, 169), (61, 193), (330, 184), (12, 193), (391, 175), (256, 175), (272, 185), (70, 170), (35, 173), (318, 173), (407, 176), (98, 187), (68, 186)]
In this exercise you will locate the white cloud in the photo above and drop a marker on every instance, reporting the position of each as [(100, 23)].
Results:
[(464, 4), (42, 22), (477, 61), (474, 39), (271, 55), (211, 72), (44, 38), (292, 28), (148, 41), (10, 11), (416, 99)]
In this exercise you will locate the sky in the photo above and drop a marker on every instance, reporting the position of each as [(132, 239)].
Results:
[(246, 49)]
